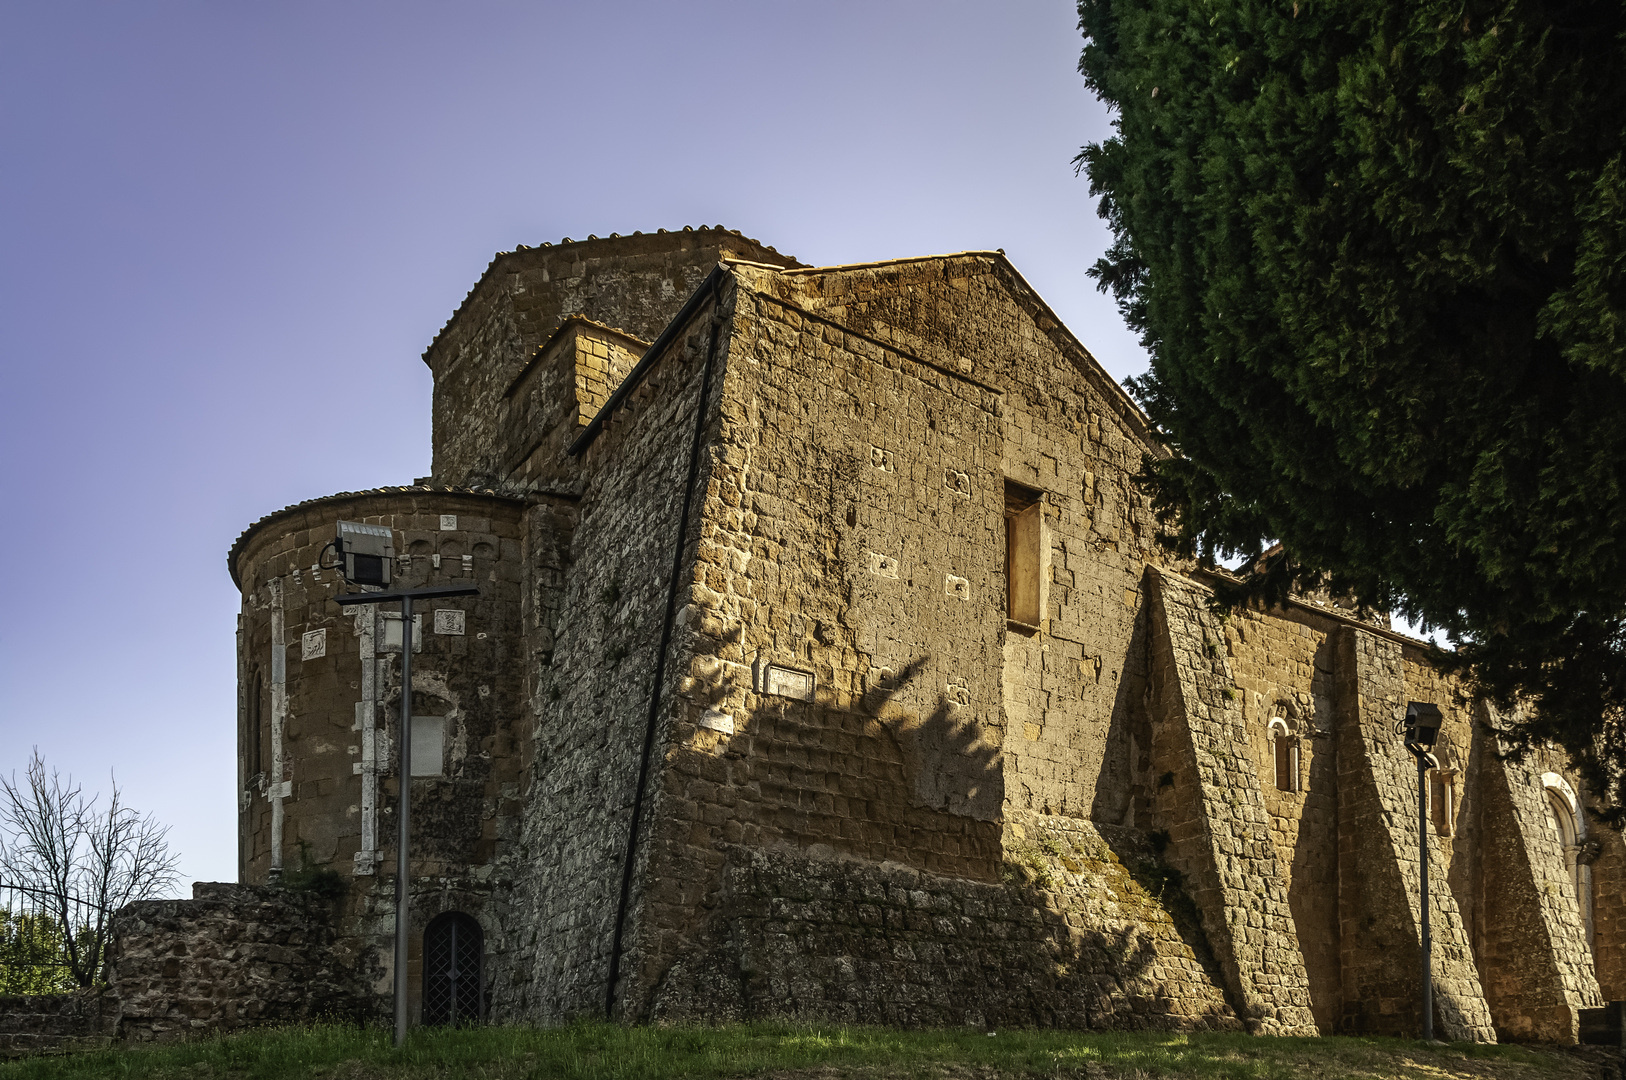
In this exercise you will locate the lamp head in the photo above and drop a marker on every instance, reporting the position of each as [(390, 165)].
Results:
[(1422, 724), (365, 552)]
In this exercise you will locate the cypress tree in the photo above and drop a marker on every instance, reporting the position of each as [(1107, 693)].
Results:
[(1376, 250)]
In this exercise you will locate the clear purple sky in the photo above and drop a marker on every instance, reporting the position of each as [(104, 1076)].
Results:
[(226, 230)]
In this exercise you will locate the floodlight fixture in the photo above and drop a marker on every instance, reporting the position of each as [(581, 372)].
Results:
[(365, 552), (1422, 724)]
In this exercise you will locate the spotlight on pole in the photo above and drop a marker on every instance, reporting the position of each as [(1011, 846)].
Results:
[(365, 553), (1419, 729)]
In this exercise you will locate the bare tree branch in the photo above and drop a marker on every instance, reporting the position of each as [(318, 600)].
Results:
[(80, 862)]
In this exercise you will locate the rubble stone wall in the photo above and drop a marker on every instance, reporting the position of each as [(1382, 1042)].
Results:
[(1283, 665), (634, 283), (1068, 690), (1538, 974), (591, 692), (57, 1023), (233, 956), (1090, 931)]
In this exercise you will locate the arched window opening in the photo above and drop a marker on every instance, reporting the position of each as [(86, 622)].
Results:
[(453, 982), (254, 766), (1570, 823), (1285, 745)]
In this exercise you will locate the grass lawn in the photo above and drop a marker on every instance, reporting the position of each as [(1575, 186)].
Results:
[(797, 1052)]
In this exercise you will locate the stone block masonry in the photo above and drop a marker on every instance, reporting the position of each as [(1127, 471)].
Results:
[(1209, 801), (1378, 866), (1090, 929), (1534, 993), (941, 735)]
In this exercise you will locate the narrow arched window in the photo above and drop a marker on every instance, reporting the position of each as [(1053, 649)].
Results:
[(254, 763), (1285, 745), (453, 983)]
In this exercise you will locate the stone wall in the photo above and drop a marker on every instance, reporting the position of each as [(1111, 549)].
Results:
[(1282, 662), (1091, 930), (634, 283), (233, 956), (591, 691), (1609, 912), (1208, 799), (57, 1023), (1538, 974), (1378, 901), (1066, 430)]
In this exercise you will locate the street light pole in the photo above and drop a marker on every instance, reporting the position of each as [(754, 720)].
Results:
[(404, 756), (1419, 729), (1422, 860), (403, 825)]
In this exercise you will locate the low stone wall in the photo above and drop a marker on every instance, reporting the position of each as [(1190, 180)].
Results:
[(1091, 930), (233, 956), (57, 1023)]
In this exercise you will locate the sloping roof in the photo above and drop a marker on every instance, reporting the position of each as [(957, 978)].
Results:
[(519, 249)]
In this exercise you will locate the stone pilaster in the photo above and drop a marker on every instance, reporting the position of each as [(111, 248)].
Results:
[(1379, 909), (1206, 794)]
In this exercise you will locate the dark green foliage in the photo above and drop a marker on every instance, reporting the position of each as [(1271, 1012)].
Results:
[(33, 955), (1377, 250)]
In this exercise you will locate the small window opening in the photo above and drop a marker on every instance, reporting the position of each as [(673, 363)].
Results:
[(1285, 745), (256, 731), (1024, 517), (428, 745), (453, 982)]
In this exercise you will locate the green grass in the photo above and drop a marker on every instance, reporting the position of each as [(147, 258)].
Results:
[(608, 1052)]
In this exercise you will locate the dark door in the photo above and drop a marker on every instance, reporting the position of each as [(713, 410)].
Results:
[(452, 985)]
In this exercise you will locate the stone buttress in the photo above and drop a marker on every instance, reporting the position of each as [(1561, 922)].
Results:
[(1378, 882), (1208, 799), (1538, 974)]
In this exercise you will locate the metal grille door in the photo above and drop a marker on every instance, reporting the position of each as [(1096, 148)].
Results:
[(452, 983)]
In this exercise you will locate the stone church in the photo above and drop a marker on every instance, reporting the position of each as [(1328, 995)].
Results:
[(824, 666)]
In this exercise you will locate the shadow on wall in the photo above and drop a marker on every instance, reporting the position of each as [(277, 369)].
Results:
[(1114, 786), (1073, 940), (1312, 893)]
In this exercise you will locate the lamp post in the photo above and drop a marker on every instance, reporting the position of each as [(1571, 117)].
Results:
[(1419, 729), (365, 553)]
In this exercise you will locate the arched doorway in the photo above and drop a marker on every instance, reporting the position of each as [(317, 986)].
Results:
[(453, 982)]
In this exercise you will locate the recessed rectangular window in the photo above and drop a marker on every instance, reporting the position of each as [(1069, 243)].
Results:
[(428, 745), (1024, 561)]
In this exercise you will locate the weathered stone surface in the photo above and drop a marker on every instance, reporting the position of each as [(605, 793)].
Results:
[(1538, 974), (1090, 931), (57, 1023), (930, 699), (233, 956), (1379, 896), (1214, 811)]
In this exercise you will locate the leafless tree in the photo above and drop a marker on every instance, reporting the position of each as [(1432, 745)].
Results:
[(77, 861)]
